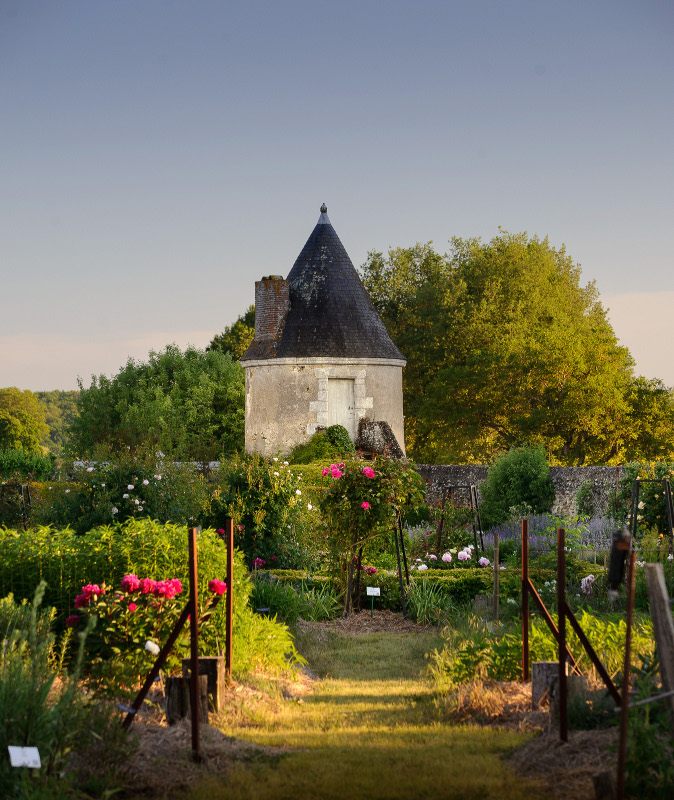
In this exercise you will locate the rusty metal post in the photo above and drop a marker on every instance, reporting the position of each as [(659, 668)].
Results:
[(229, 599), (194, 644), (625, 689), (561, 625), (525, 600)]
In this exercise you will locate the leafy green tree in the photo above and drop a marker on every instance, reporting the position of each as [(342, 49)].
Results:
[(505, 347), (60, 410), (22, 421), (187, 405), (650, 435), (519, 479), (236, 338)]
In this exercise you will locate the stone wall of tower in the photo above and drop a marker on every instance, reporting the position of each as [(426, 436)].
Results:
[(287, 399)]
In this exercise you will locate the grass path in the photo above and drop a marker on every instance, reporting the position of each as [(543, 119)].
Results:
[(370, 729)]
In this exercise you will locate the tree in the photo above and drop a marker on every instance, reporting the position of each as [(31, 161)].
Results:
[(187, 405), (22, 421), (60, 410), (236, 338), (651, 415), (505, 347)]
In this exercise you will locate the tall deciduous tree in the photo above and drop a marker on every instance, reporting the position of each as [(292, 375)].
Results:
[(187, 405), (22, 421), (505, 347), (236, 338)]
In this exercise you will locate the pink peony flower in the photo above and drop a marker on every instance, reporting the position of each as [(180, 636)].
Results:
[(368, 472), (336, 473), (72, 621), (325, 471), (218, 587), (220, 531), (371, 570), (365, 505), (130, 583), (433, 557), (147, 586), (132, 606), (447, 557), (258, 563), (483, 562), (464, 555)]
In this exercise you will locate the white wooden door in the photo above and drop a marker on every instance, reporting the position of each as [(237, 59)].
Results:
[(341, 409)]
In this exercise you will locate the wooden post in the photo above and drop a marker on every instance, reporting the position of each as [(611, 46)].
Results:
[(194, 643), (525, 600), (213, 667), (229, 599), (497, 576), (625, 689), (663, 628), (561, 643)]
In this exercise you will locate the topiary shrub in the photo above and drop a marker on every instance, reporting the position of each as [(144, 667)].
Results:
[(519, 479), (325, 445), (340, 439)]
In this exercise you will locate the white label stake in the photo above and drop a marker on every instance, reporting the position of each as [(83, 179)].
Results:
[(24, 757)]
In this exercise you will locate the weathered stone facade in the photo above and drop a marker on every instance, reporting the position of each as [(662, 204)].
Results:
[(566, 480), (287, 399)]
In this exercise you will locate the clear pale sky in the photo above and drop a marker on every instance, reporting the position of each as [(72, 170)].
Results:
[(157, 157)]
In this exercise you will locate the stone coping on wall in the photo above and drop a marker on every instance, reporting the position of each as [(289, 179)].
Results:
[(440, 478)]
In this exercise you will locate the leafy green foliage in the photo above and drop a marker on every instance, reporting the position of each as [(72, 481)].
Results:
[(235, 339), (22, 421), (20, 465), (650, 755), (60, 410), (313, 602), (130, 488), (266, 502), (506, 347), (142, 547), (189, 406), (519, 479), (427, 603), (652, 511), (35, 713), (325, 445)]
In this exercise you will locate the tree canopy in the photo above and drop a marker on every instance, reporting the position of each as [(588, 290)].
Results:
[(60, 410), (236, 338), (505, 347), (187, 405), (22, 421)]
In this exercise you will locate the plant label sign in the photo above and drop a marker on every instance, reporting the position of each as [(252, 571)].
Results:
[(24, 757), (373, 591)]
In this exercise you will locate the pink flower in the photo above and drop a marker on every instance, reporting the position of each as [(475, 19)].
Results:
[(89, 592), (325, 471), (177, 585), (464, 555), (365, 505), (258, 563), (447, 557), (147, 586), (130, 583), (433, 557), (368, 472), (336, 473), (132, 606), (483, 562), (72, 621), (371, 570), (220, 531), (218, 587)]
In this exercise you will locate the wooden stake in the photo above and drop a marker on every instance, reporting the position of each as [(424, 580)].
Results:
[(663, 628)]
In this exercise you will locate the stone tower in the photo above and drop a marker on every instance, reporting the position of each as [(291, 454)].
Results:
[(321, 354)]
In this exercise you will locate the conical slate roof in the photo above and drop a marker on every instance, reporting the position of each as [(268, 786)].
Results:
[(330, 312)]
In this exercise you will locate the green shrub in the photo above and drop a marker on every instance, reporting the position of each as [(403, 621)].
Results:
[(307, 601), (35, 712), (519, 479), (652, 513), (148, 549), (325, 445), (20, 465)]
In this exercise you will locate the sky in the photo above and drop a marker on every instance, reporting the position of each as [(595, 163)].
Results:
[(157, 157)]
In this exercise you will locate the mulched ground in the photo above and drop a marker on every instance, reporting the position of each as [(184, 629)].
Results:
[(162, 764)]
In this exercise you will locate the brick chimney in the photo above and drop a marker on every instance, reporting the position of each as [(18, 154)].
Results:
[(272, 302)]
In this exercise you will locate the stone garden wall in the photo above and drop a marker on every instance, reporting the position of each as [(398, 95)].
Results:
[(440, 478)]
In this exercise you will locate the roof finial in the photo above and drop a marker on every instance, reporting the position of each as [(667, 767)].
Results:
[(323, 219)]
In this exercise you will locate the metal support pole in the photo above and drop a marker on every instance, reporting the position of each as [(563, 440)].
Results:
[(400, 572), (561, 642), (497, 576), (625, 689), (194, 644), (229, 600), (525, 600)]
